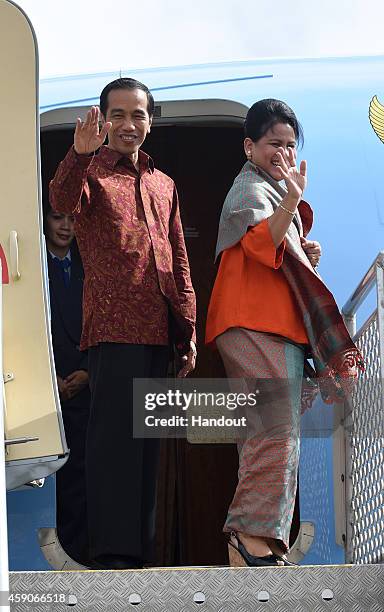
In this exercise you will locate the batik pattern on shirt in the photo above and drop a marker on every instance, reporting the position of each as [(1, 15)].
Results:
[(128, 228)]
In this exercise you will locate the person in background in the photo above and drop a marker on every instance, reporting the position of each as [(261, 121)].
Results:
[(65, 272), (138, 297), (269, 310)]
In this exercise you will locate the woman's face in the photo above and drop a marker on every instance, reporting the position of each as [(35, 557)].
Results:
[(59, 230), (262, 153)]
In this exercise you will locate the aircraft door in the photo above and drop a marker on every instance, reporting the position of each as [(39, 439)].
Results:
[(35, 441)]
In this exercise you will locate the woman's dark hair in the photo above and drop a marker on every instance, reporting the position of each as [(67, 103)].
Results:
[(264, 114), (125, 83)]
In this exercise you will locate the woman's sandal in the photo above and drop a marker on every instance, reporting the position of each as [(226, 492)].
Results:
[(240, 557), (285, 561)]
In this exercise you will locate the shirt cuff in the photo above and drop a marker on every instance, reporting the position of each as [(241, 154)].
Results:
[(78, 159), (258, 244)]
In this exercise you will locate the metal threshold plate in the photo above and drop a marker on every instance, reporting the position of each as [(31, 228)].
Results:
[(358, 588)]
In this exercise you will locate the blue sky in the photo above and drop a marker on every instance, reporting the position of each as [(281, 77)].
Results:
[(77, 36)]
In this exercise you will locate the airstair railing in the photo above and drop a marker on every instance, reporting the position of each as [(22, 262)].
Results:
[(364, 428), (4, 575)]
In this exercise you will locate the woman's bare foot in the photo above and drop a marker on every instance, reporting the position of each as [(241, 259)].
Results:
[(276, 548), (254, 545), (259, 547)]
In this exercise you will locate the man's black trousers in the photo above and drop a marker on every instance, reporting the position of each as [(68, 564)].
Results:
[(121, 471)]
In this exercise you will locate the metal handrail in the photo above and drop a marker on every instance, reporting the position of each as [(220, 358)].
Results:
[(374, 277), (360, 293)]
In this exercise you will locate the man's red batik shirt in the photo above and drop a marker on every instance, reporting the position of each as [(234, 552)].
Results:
[(127, 224)]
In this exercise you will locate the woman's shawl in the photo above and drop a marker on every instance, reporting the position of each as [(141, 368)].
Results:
[(253, 197)]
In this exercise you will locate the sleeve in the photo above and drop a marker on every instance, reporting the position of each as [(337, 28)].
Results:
[(83, 365), (258, 245), (182, 275), (69, 190)]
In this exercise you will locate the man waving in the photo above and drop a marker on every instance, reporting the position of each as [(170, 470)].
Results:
[(137, 296)]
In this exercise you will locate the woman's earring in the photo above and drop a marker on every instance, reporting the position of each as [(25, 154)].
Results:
[(249, 154)]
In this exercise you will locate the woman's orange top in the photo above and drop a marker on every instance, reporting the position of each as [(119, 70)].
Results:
[(251, 291)]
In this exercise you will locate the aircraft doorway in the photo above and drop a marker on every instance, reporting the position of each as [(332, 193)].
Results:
[(197, 481)]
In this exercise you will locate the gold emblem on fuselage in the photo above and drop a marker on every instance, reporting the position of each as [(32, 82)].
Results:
[(376, 117)]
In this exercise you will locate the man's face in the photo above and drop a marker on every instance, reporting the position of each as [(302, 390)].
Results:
[(59, 230), (128, 112)]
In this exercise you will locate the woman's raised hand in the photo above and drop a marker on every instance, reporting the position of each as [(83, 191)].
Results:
[(295, 179), (88, 138)]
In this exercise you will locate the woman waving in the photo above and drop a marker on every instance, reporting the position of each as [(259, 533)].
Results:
[(269, 310)]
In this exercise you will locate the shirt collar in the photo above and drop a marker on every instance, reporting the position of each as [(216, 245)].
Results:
[(68, 256), (110, 158)]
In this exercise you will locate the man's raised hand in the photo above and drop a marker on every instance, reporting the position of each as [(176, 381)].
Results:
[(88, 138)]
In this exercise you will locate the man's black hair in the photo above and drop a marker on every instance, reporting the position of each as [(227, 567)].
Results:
[(125, 83), (264, 114)]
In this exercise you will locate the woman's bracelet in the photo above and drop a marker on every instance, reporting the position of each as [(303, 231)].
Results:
[(290, 212)]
